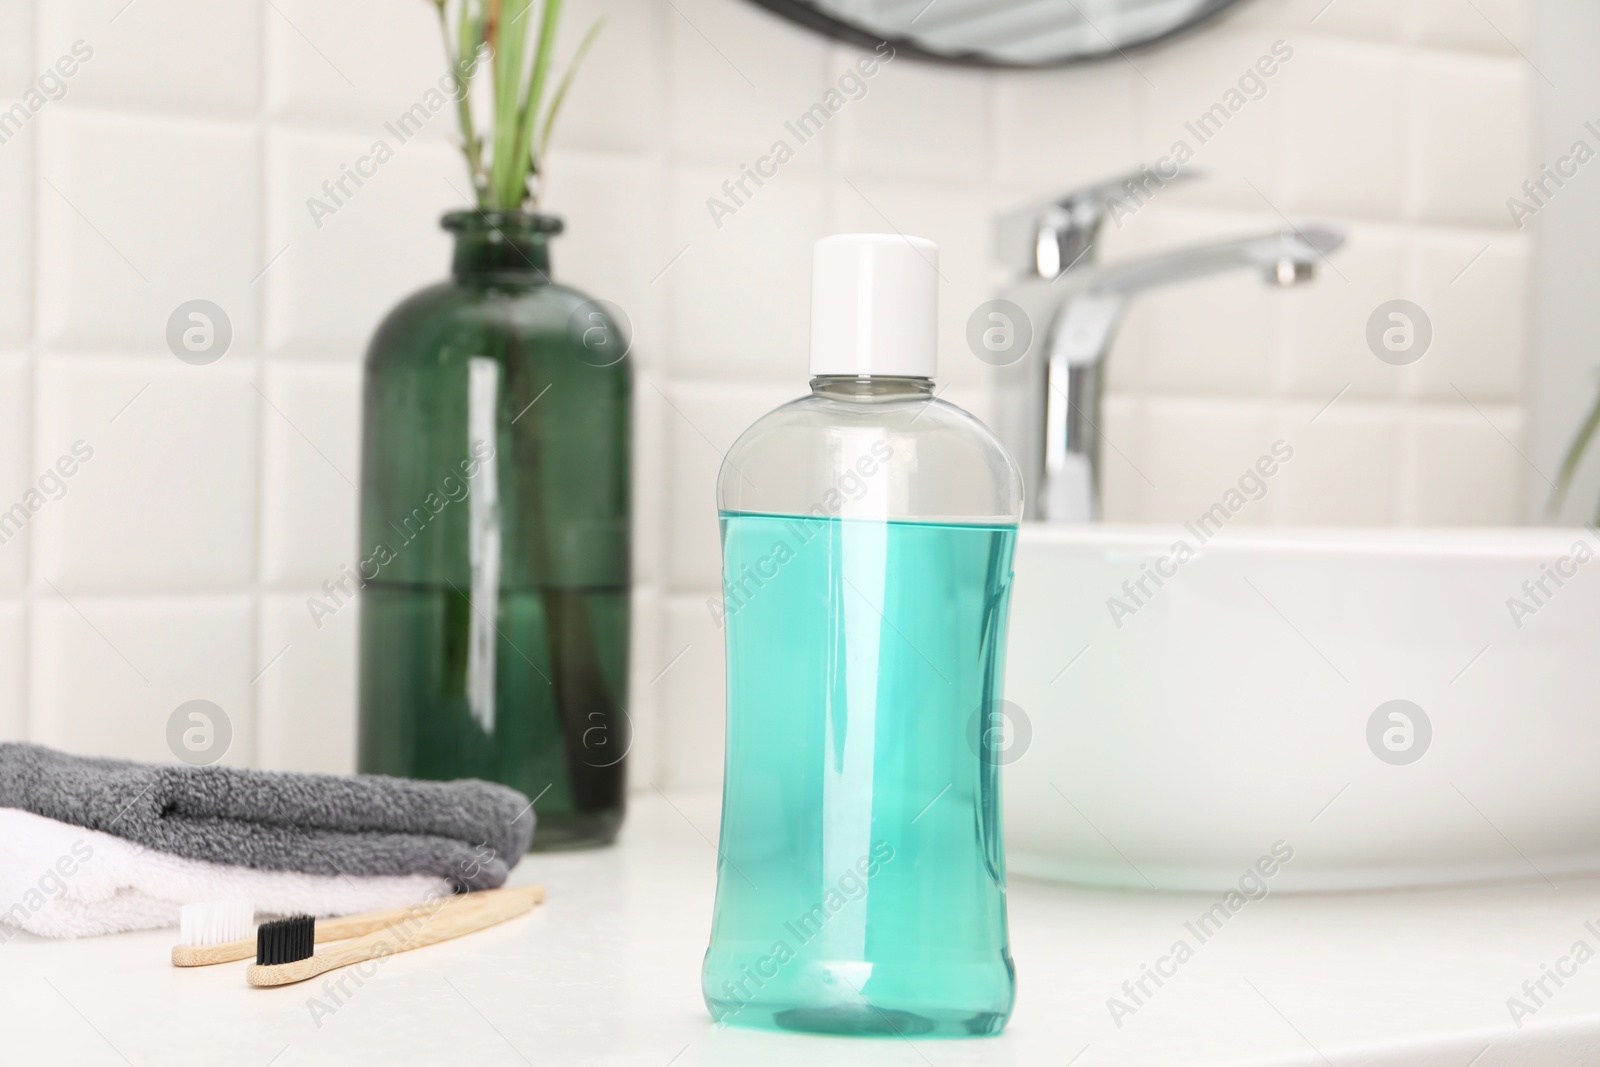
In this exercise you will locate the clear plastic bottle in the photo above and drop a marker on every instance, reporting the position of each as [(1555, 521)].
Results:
[(867, 534)]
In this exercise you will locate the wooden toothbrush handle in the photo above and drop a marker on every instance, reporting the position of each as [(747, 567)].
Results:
[(207, 955), (346, 926), (451, 918)]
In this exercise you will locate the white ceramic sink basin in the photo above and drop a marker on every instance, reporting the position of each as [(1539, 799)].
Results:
[(1233, 707)]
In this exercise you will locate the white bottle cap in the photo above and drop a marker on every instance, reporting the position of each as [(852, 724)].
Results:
[(875, 305)]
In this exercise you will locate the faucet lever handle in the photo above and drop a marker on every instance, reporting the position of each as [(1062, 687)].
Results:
[(1046, 239)]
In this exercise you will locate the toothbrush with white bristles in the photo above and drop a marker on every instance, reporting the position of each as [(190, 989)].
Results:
[(224, 931), (214, 923)]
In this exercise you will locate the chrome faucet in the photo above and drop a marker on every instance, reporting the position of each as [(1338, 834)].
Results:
[(1049, 400)]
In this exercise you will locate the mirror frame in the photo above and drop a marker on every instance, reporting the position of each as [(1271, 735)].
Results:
[(804, 14)]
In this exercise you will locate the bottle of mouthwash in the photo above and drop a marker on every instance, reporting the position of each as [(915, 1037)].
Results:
[(867, 534)]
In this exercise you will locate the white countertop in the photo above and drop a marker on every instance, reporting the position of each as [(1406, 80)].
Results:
[(607, 972)]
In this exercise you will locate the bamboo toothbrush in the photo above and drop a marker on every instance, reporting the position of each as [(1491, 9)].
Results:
[(285, 949), (222, 932)]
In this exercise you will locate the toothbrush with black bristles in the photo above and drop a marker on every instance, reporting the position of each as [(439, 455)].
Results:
[(224, 931), (286, 950)]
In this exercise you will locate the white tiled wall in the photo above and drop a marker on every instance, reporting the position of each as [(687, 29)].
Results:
[(178, 164)]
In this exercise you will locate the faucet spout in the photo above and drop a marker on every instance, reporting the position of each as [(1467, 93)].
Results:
[(1089, 303), (1303, 248)]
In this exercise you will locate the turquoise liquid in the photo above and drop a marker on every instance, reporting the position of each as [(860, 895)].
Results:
[(861, 883)]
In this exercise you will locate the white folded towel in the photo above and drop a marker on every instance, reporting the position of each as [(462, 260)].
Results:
[(58, 880)]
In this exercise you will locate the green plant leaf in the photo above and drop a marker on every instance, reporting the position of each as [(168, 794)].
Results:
[(561, 90), (528, 115), (1575, 453), (462, 57), (509, 52)]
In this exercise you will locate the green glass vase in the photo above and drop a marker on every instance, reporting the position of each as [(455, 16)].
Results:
[(495, 534)]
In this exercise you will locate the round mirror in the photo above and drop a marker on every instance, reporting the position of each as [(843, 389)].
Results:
[(1001, 33)]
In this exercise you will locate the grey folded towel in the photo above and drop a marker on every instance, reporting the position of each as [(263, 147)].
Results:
[(469, 831)]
